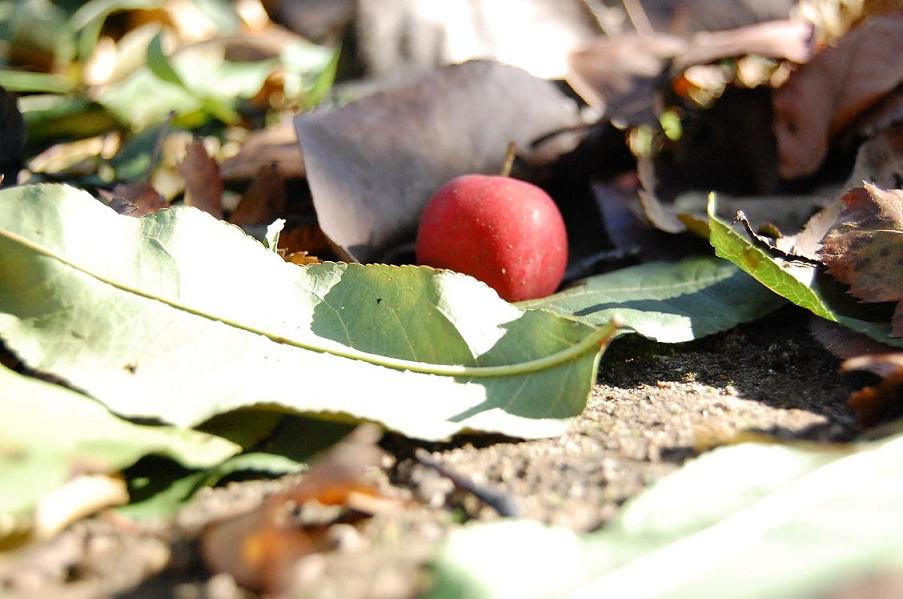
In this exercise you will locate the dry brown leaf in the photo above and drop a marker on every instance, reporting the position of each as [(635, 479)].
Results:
[(314, 19), (691, 16), (203, 183), (305, 238), (838, 84), (372, 165), (808, 241), (135, 199), (249, 46), (618, 76), (264, 200), (873, 403), (274, 145), (884, 114), (785, 39), (864, 248), (843, 342), (880, 160), (301, 258), (259, 548), (535, 35)]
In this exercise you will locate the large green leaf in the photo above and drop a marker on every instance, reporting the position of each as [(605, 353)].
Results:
[(670, 302), (48, 432), (197, 83), (181, 317), (752, 520), (798, 283)]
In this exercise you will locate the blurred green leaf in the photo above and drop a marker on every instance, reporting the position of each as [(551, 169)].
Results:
[(208, 86), (746, 521), (47, 432), (221, 12), (54, 117), (133, 160), (159, 64), (26, 81), (40, 35), (89, 19)]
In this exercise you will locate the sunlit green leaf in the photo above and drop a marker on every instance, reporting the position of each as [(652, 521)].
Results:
[(189, 318), (798, 283), (670, 302)]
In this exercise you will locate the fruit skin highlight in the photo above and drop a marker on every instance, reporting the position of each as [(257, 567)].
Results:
[(505, 232)]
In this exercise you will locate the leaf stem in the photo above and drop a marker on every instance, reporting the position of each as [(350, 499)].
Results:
[(508, 164), (595, 341)]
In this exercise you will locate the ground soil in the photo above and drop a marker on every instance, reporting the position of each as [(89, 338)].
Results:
[(654, 406)]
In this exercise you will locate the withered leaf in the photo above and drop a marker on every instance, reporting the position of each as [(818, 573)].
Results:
[(619, 75), (277, 144), (843, 342), (203, 182), (864, 248), (880, 160), (264, 200), (301, 258), (715, 15), (314, 19), (305, 238), (873, 403), (535, 35), (882, 115), (808, 241), (135, 199), (837, 85), (372, 165), (259, 548), (783, 39)]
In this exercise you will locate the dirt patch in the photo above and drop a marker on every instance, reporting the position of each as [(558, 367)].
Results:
[(653, 406)]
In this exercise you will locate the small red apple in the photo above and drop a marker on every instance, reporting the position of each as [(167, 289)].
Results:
[(505, 232)]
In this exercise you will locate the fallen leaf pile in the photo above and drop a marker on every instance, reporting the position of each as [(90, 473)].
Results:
[(207, 223)]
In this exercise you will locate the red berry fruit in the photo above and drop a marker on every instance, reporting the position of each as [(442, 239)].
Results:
[(505, 232)]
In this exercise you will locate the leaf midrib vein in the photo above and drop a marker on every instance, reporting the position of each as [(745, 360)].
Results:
[(594, 341)]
